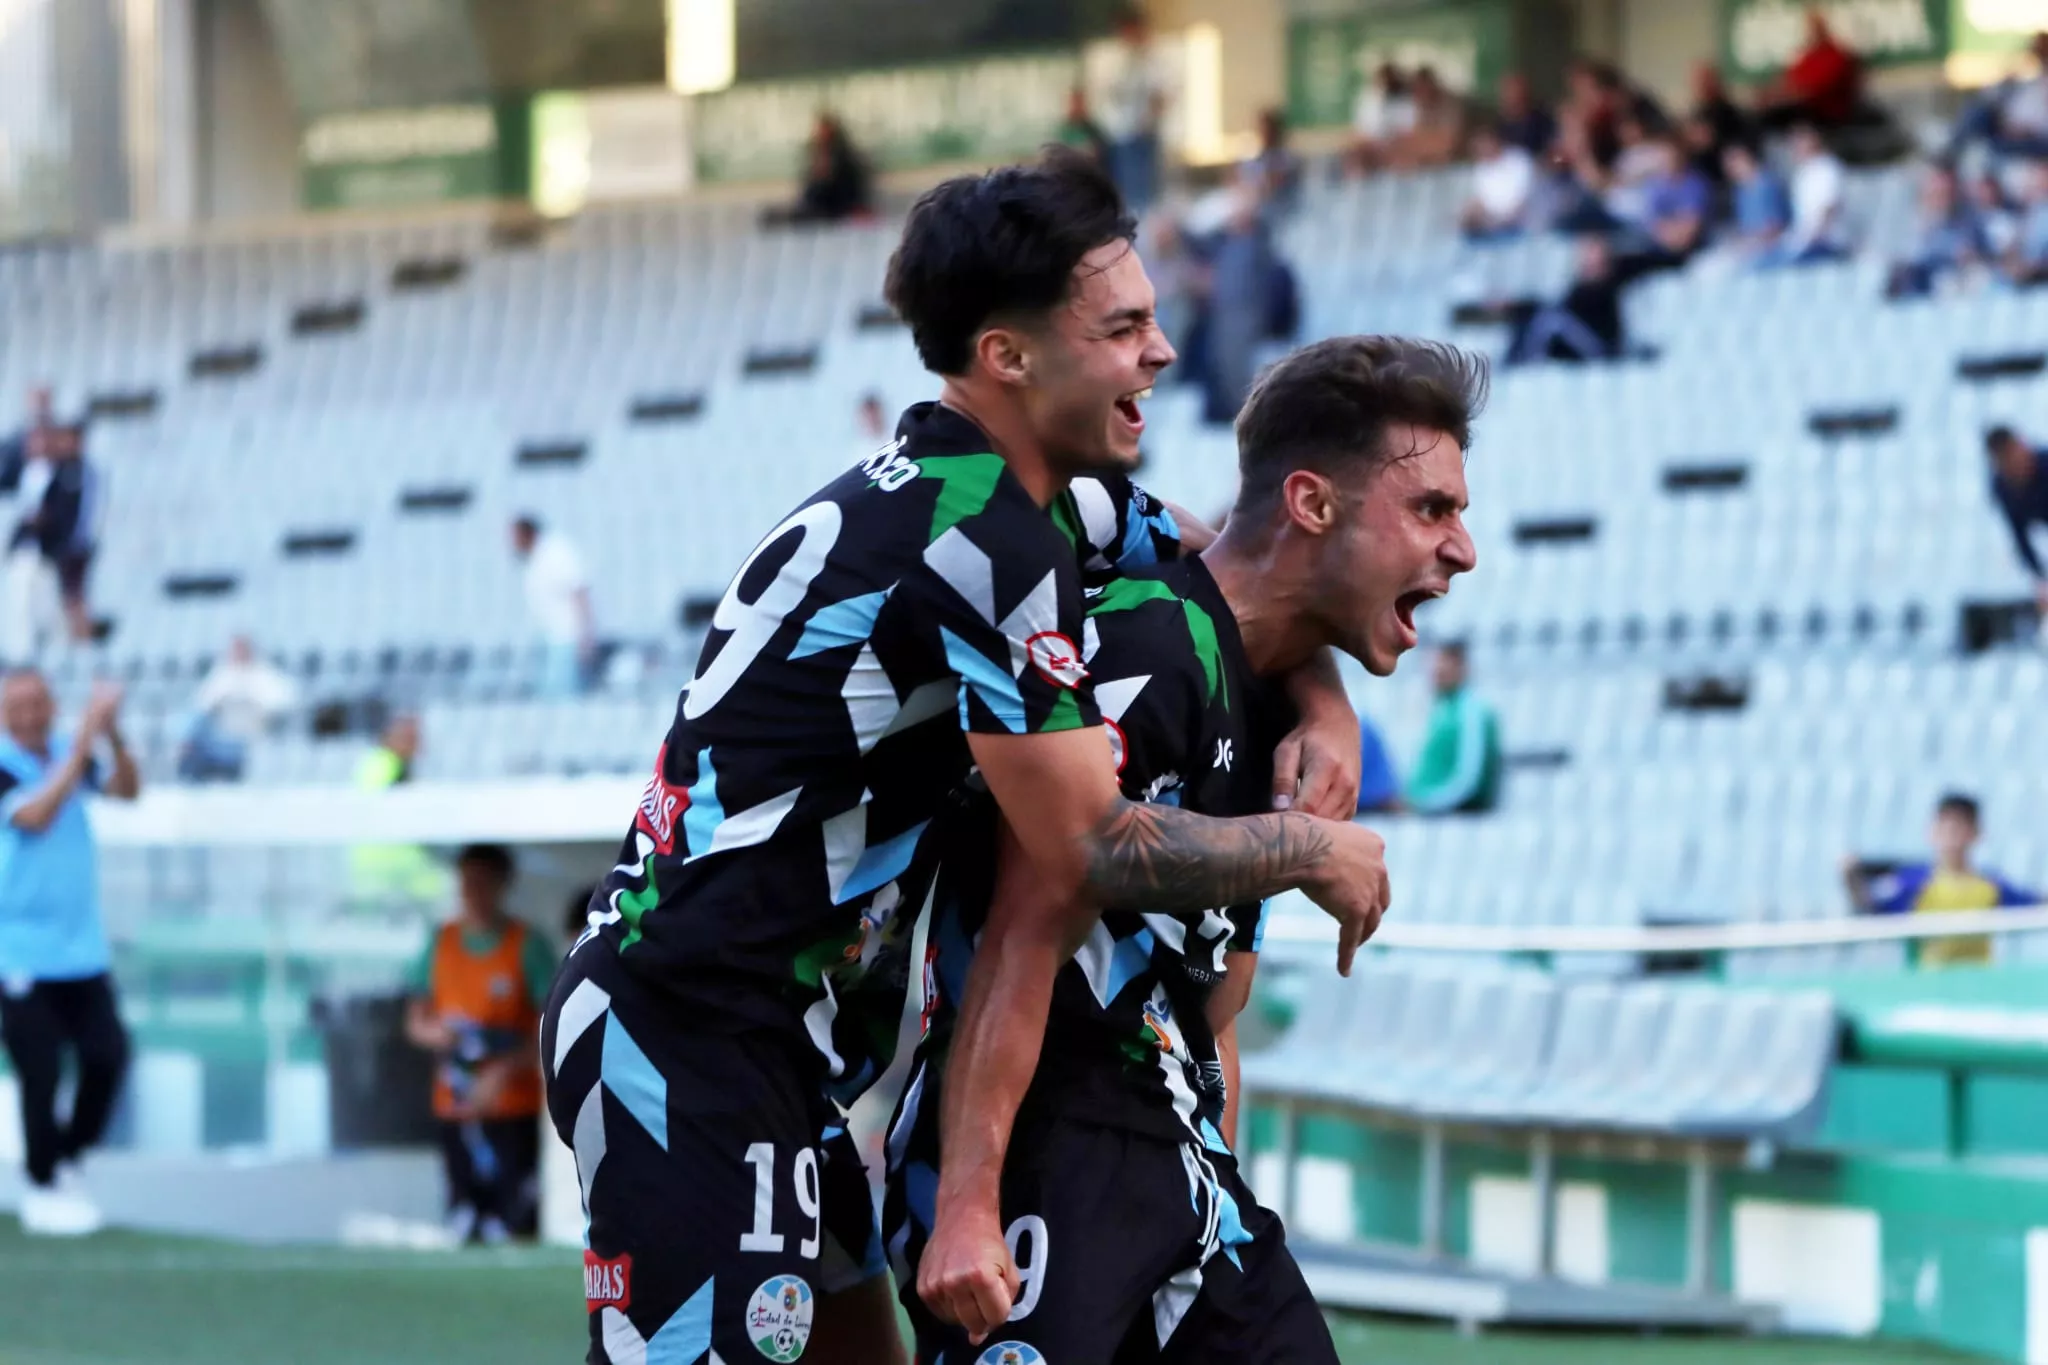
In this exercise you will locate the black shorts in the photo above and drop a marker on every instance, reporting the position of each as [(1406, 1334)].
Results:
[(722, 1191), (1130, 1250)]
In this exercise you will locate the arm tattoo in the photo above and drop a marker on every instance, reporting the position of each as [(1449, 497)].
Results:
[(1153, 857)]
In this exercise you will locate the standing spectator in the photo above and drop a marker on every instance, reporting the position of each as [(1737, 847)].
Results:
[(1949, 238), (63, 494), (1439, 132), (32, 605), (1520, 120), (1503, 185), (244, 695), (2019, 485), (56, 994), (1242, 269), (836, 184), (558, 600), (2026, 260), (1823, 86), (1585, 325), (1382, 115), (1762, 208), (477, 993), (1133, 106), (1459, 769), (1379, 787), (1817, 232), (1714, 123), (1949, 883), (14, 451), (1080, 130), (1275, 173)]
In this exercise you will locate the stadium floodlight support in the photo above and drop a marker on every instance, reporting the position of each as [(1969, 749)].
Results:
[(702, 46)]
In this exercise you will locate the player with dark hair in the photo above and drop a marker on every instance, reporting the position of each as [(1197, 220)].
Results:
[(1111, 1223), (917, 618)]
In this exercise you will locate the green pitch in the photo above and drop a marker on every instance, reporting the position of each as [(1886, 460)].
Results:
[(131, 1299)]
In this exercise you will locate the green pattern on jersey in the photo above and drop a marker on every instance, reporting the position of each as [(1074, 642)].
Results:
[(813, 962), (1066, 515), (1128, 594), (1065, 715), (634, 904), (969, 481)]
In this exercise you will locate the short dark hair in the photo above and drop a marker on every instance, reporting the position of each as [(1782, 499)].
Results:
[(496, 857), (1997, 438), (979, 246), (1328, 407), (1959, 803), (527, 522)]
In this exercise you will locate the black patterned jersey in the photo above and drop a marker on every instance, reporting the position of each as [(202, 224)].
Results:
[(1128, 1043), (779, 854)]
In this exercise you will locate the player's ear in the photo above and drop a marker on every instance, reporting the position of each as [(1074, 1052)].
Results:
[(1311, 502), (1005, 353)]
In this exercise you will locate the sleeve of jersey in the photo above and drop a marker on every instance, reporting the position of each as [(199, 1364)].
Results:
[(1003, 596), (1146, 532), (1135, 656)]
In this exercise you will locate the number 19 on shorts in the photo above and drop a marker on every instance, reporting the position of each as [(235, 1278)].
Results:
[(804, 1176)]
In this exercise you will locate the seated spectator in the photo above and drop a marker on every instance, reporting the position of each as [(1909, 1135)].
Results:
[(1439, 132), (1383, 114), (1585, 325), (1998, 216), (2012, 116), (2026, 258), (1946, 884), (1823, 86), (1275, 173), (1713, 124), (1762, 210), (1459, 769), (1817, 231), (243, 698), (835, 180), (1948, 239), (1503, 186), (1081, 131), (1677, 203), (2019, 485), (1521, 121), (1379, 787)]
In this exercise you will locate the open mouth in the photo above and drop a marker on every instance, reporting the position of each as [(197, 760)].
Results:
[(1127, 408), (1405, 605)]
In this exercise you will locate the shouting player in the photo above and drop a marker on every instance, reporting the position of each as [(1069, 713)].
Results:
[(917, 617), (1118, 1228)]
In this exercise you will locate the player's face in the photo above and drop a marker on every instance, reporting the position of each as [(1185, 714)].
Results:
[(1094, 361), (1402, 540)]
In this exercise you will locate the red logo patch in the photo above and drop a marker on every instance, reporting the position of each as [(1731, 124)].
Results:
[(1117, 747), (607, 1284), (660, 804), (1055, 658)]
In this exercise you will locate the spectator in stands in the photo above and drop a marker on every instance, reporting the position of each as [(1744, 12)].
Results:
[(1080, 130), (1379, 786), (1585, 325), (2026, 259), (14, 451), (1591, 113), (1822, 87), (64, 498), (1677, 203), (1817, 231), (243, 697), (2019, 485), (1132, 109), (1949, 238), (1763, 211), (56, 994), (2012, 116), (1242, 270), (1275, 173), (1503, 188), (1520, 120), (1947, 884), (477, 992), (31, 608), (836, 184), (1439, 132), (1714, 123), (558, 600), (1998, 216), (393, 875), (1459, 769), (1381, 117)]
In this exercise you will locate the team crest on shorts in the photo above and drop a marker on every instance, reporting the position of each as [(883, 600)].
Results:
[(779, 1318), (1010, 1353)]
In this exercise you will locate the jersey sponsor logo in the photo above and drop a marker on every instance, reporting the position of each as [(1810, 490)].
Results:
[(779, 1318), (1011, 1353), (659, 805), (1224, 754), (888, 468), (1056, 658), (607, 1283)]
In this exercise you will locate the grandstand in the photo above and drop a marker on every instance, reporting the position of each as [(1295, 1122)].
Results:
[(1744, 607)]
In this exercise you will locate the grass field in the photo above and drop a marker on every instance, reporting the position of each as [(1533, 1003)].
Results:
[(129, 1299)]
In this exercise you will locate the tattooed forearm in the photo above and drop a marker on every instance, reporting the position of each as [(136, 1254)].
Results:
[(1155, 857)]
